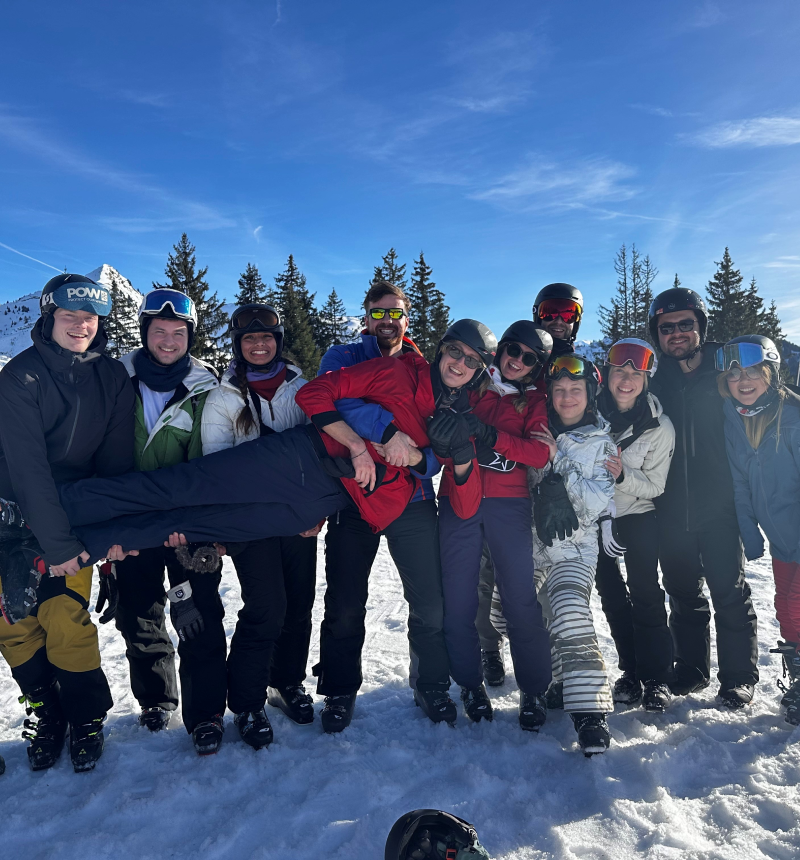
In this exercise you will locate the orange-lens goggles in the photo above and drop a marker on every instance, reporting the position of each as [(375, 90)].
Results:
[(567, 309), (641, 357)]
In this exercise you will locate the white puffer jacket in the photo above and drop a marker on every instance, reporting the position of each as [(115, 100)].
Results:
[(224, 404), (582, 453), (645, 464)]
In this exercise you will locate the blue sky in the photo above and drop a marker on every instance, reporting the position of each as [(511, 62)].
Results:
[(516, 143)]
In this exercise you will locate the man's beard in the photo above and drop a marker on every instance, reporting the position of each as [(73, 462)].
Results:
[(389, 342)]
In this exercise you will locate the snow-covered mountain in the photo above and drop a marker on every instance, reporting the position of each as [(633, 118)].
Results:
[(591, 349), (18, 317)]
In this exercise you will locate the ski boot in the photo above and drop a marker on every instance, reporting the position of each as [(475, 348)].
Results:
[(437, 705), (736, 697), (21, 570), (46, 737), (254, 728), (628, 689), (476, 703), (494, 672), (155, 719), (532, 711), (337, 713), (657, 697), (554, 697), (790, 658), (207, 736), (594, 736), (687, 681), (295, 702), (12, 523), (86, 744), (198, 557)]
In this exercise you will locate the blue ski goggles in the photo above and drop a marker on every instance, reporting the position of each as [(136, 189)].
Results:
[(155, 302), (743, 354)]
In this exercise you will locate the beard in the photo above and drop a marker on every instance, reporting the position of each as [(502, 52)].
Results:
[(389, 341)]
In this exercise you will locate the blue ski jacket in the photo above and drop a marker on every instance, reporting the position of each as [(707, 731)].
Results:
[(766, 482), (368, 419)]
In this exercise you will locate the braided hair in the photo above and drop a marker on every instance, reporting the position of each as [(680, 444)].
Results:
[(244, 420)]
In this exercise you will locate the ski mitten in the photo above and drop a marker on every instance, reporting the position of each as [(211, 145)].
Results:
[(198, 557), (186, 617), (109, 591)]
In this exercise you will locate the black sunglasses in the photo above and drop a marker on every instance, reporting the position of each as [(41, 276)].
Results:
[(683, 325), (529, 359), (456, 352)]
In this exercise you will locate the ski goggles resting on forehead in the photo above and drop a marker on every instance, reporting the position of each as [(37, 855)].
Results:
[(529, 359), (682, 325), (743, 354), (155, 302), (456, 352), (574, 366), (641, 357), (245, 317), (380, 313), (567, 309)]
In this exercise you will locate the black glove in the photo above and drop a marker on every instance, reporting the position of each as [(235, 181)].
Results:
[(440, 430), (490, 459), (462, 448), (186, 617), (553, 514), (199, 557), (109, 591), (485, 435)]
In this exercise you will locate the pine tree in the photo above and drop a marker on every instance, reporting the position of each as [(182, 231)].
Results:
[(210, 340), (677, 282), (334, 323), (390, 271), (429, 316), (252, 289), (629, 308), (122, 324), (771, 324), (292, 299)]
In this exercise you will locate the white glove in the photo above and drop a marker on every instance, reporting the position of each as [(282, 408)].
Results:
[(611, 544)]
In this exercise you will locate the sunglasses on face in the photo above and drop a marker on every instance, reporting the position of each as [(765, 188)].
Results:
[(456, 352), (550, 309), (380, 313), (735, 373), (529, 359), (683, 325)]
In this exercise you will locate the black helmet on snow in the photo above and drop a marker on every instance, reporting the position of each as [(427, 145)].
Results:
[(678, 299), (476, 336), (531, 335), (431, 834), (746, 351), (560, 291), (75, 293), (250, 318)]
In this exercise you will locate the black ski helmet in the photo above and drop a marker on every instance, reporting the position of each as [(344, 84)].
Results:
[(256, 317), (678, 299), (433, 835), (476, 336), (559, 291), (72, 293), (531, 335)]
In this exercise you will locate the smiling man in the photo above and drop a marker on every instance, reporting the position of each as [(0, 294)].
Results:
[(66, 412)]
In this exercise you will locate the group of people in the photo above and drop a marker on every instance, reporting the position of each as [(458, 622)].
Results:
[(552, 471)]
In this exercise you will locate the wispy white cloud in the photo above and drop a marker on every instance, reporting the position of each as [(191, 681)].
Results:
[(708, 15), (758, 131), (653, 109), (28, 257), (257, 232)]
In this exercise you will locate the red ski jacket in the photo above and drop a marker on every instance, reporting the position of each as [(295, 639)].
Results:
[(403, 387)]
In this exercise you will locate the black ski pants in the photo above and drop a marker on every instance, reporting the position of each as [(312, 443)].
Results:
[(350, 549), (151, 657), (273, 486), (491, 639), (635, 609), (714, 556), (270, 644)]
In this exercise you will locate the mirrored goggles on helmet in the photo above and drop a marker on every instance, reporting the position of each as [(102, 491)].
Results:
[(380, 313), (245, 317), (456, 352), (529, 359), (743, 354), (155, 302), (641, 357), (574, 366), (567, 309)]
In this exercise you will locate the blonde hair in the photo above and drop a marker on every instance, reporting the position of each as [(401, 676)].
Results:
[(755, 426)]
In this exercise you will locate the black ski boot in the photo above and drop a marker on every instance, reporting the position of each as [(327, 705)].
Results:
[(155, 719), (207, 736), (337, 713), (21, 570), (790, 658), (736, 697), (437, 705), (86, 744), (594, 736), (295, 702), (554, 697), (11, 521), (494, 672), (532, 711), (476, 703), (657, 697), (628, 689), (687, 681), (46, 737), (254, 728)]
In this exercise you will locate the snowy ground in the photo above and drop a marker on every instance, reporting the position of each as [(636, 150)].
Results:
[(697, 782)]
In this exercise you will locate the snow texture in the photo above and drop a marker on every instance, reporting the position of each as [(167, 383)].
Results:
[(696, 782)]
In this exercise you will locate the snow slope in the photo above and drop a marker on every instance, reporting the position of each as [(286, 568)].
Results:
[(697, 782)]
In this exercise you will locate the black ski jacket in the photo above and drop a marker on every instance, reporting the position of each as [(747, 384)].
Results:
[(63, 416), (699, 489)]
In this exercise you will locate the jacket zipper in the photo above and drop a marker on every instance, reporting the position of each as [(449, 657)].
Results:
[(77, 407), (685, 456)]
